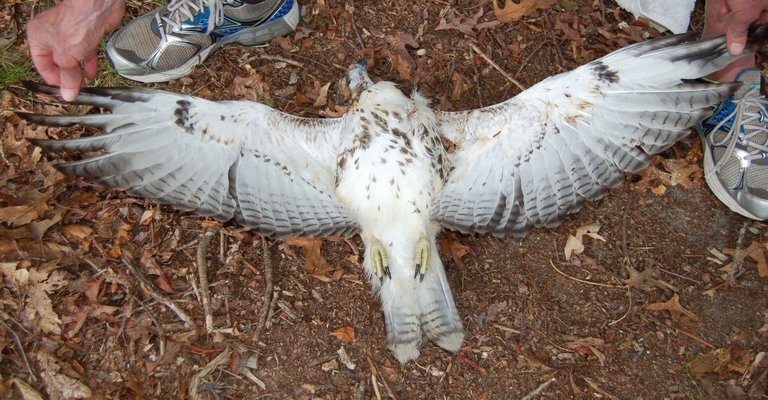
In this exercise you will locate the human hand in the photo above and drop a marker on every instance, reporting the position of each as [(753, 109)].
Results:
[(739, 15), (63, 41)]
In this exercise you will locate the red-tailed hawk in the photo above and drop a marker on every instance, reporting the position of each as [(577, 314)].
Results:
[(382, 171)]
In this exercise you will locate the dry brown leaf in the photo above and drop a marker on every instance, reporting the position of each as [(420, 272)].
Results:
[(322, 96), (32, 248), (646, 280), (755, 251), (512, 11), (345, 334), (314, 262), (467, 25), (93, 288), (721, 362), (451, 247), (60, 386), (674, 308), (684, 173), (16, 216), (398, 54), (525, 362), (38, 308), (77, 231), (575, 242), (329, 277), (251, 87), (27, 391)]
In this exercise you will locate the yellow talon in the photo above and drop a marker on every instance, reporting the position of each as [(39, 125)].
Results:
[(379, 260), (423, 251)]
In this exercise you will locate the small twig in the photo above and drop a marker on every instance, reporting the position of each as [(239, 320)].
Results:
[(202, 275), (584, 281), (354, 27), (374, 372), (737, 260), (267, 300), (539, 389), (497, 67), (629, 292), (21, 350), (280, 59), (196, 380), (679, 276), (554, 42), (697, 339), (374, 381), (528, 59), (150, 288), (321, 360)]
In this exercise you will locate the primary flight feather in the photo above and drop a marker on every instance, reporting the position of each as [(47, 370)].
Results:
[(382, 170)]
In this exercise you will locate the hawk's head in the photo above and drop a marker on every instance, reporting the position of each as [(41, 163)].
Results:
[(356, 80)]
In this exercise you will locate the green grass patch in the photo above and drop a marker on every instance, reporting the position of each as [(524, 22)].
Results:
[(15, 66)]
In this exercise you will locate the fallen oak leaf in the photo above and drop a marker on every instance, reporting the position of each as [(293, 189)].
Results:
[(646, 280), (720, 362), (684, 173), (398, 54), (675, 309), (512, 11), (314, 262), (575, 242), (345, 334), (466, 25), (58, 385), (755, 251), (450, 246), (16, 216), (38, 308)]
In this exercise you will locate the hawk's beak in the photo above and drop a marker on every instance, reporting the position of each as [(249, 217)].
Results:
[(356, 80)]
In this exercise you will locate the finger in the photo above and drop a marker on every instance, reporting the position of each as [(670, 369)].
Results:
[(90, 66), (736, 33), (71, 81), (46, 67)]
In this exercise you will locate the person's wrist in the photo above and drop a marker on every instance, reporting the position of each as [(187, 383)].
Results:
[(92, 8)]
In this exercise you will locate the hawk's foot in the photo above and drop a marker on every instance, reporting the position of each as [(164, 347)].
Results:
[(423, 251), (379, 260)]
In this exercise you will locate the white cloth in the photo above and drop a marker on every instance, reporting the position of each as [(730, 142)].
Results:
[(674, 15)]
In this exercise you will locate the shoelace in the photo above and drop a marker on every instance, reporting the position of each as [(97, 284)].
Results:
[(754, 123), (181, 10)]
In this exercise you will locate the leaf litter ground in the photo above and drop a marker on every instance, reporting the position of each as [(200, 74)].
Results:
[(663, 295)]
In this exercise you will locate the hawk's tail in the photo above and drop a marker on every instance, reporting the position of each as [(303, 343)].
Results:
[(412, 308)]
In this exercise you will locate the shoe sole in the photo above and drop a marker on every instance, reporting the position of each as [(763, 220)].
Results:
[(710, 176), (249, 37)]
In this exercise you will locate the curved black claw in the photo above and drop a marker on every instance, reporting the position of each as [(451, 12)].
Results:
[(423, 251)]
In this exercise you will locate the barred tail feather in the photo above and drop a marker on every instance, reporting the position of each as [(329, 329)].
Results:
[(440, 319), (413, 308)]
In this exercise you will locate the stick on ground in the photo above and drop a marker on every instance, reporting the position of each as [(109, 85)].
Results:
[(150, 288), (202, 274)]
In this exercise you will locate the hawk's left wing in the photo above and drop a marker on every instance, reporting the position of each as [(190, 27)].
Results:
[(532, 159), (271, 171)]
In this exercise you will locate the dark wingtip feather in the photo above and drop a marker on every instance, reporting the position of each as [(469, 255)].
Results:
[(41, 88), (49, 120), (757, 36)]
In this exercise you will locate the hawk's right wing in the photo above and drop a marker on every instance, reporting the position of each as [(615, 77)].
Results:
[(271, 171)]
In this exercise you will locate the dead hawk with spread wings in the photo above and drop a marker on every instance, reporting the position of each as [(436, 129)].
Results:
[(382, 170)]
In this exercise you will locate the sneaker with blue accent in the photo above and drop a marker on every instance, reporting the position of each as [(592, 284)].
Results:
[(171, 41), (735, 140)]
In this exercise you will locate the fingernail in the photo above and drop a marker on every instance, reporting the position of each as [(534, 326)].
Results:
[(736, 49), (68, 94)]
